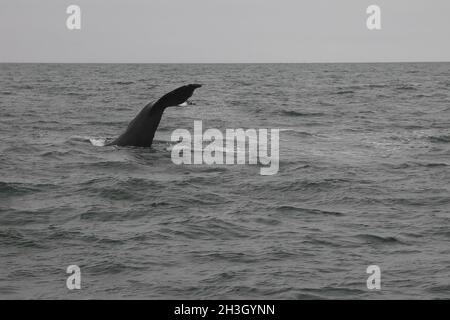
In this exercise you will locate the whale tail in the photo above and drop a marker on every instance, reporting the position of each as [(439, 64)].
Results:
[(141, 130)]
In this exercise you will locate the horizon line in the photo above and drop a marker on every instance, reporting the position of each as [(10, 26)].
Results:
[(239, 62)]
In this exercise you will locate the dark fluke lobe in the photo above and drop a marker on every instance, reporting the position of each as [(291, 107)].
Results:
[(141, 130)]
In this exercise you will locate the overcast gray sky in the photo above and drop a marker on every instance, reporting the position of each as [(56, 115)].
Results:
[(224, 31)]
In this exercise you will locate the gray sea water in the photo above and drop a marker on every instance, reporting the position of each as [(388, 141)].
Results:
[(364, 179)]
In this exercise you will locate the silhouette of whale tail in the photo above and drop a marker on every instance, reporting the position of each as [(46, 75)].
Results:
[(141, 130)]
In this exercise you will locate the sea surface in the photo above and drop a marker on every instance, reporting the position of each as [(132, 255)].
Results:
[(364, 179)]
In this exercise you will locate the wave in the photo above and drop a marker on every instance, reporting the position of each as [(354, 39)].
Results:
[(293, 113), (439, 139), (60, 153), (405, 87), (79, 94), (17, 238), (352, 88), (298, 132), (17, 188), (375, 239), (374, 86), (406, 165), (290, 208), (326, 104), (24, 86), (331, 292), (344, 92), (433, 164), (123, 82)]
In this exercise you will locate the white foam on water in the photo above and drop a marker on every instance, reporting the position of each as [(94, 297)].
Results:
[(98, 142)]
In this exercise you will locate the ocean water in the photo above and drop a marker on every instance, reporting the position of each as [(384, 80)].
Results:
[(364, 179)]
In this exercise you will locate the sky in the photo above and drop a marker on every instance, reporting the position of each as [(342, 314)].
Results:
[(224, 31)]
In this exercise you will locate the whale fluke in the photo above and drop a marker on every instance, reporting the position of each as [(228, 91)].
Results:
[(141, 130)]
